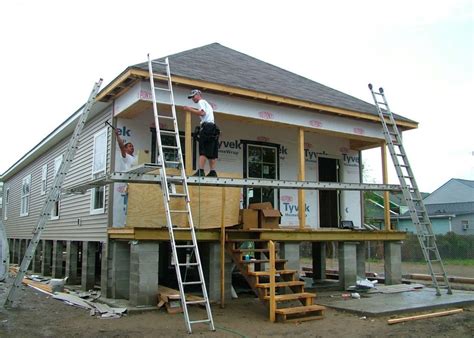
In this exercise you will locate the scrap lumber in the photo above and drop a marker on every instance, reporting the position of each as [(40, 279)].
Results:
[(38, 285), (453, 279), (428, 315), (172, 299)]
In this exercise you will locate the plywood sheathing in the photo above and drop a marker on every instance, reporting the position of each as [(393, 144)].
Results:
[(146, 208)]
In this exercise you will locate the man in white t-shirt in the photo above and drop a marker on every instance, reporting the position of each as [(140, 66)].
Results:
[(208, 133), (128, 160), (126, 149)]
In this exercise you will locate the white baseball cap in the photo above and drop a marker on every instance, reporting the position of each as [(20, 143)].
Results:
[(194, 92)]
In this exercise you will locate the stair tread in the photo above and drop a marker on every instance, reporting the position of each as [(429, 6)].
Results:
[(293, 296), (278, 260), (267, 273), (251, 250), (300, 309), (280, 284)]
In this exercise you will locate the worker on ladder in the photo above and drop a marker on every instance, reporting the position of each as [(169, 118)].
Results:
[(208, 134)]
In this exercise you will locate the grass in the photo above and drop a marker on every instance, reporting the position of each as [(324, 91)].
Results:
[(462, 262)]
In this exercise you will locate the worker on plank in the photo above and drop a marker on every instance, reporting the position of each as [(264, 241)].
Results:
[(208, 134)]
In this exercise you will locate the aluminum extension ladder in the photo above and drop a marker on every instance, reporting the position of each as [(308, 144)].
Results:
[(411, 193), (176, 188), (51, 198)]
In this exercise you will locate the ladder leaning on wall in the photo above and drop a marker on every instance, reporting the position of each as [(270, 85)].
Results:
[(411, 194), (51, 198), (176, 187)]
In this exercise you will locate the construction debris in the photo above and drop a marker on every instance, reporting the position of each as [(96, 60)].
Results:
[(84, 300), (396, 288), (171, 299), (428, 315)]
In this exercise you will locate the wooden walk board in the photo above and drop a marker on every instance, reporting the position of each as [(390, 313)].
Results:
[(280, 284), (267, 273), (292, 296)]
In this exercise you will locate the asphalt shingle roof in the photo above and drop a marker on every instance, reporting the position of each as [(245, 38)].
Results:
[(222, 65), (450, 208)]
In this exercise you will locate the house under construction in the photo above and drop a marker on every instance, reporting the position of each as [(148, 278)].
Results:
[(289, 172)]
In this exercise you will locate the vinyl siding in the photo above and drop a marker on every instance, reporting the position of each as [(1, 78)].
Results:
[(457, 224), (75, 221)]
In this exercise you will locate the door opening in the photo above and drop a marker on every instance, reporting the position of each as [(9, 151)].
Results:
[(328, 171)]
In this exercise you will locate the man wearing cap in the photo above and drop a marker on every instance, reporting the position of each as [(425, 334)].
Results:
[(208, 133)]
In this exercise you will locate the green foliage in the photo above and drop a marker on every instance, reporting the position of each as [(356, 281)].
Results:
[(450, 246)]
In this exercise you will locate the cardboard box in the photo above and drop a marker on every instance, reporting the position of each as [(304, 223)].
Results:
[(268, 218), (249, 219)]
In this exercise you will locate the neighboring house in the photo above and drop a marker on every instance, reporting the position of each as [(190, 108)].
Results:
[(272, 122), (374, 212), (450, 208)]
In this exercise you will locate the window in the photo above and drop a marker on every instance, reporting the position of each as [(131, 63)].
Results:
[(167, 140), (97, 200), (99, 161), (7, 200), (44, 176), (57, 204), (465, 225), (100, 153), (25, 195), (261, 161)]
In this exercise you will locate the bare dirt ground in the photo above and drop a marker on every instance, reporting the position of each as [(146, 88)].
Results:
[(39, 315)]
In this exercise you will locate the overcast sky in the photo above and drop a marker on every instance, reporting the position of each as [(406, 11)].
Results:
[(421, 52)]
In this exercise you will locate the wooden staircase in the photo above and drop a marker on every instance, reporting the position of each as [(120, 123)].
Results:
[(275, 285)]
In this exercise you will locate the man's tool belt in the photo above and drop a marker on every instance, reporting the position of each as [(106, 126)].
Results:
[(207, 131)]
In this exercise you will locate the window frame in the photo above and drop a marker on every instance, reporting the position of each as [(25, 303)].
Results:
[(96, 192), (247, 191), (44, 179), (6, 199), (104, 168), (55, 210), (25, 197)]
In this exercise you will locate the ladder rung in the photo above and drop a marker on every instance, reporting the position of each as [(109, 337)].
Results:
[(172, 162), (192, 283), (168, 132), (166, 117), (199, 321), (163, 89), (179, 212), (170, 147), (178, 195), (182, 229), (183, 246), (159, 62), (381, 103), (197, 301), (160, 75), (188, 264)]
